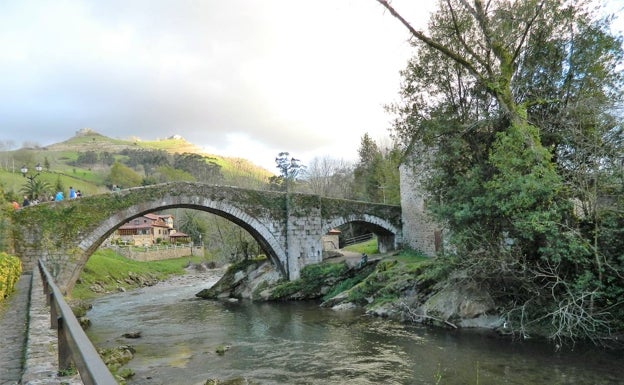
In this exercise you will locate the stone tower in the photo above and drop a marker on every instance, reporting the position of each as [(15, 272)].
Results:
[(420, 232)]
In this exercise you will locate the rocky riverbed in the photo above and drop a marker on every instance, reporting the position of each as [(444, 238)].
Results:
[(383, 287)]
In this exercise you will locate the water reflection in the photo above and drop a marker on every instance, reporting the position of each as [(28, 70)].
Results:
[(300, 343)]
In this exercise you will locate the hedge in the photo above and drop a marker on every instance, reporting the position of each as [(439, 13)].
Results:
[(10, 271)]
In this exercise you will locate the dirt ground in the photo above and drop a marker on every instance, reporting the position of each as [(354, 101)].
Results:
[(352, 258)]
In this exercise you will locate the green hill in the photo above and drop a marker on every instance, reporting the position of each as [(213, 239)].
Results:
[(73, 163)]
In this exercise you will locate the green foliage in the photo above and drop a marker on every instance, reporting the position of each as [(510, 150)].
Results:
[(71, 161), (10, 271), (86, 158), (71, 371), (36, 188), (512, 127), (386, 284), (193, 224), (202, 168), (58, 186), (368, 247), (124, 176), (346, 284), (290, 169), (376, 175), (170, 174), (312, 279)]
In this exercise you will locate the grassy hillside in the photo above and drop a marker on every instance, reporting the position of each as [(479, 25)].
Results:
[(59, 162), (111, 271)]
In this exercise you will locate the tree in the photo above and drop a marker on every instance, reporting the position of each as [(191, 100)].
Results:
[(124, 176), (86, 158), (36, 188), (58, 185), (221, 237), (193, 225), (488, 104), (290, 169), (148, 159), (376, 175), (170, 174), (204, 169), (330, 177)]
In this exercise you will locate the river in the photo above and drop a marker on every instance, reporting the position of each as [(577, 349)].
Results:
[(301, 343)]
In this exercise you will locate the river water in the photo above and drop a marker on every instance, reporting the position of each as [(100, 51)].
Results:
[(301, 343)]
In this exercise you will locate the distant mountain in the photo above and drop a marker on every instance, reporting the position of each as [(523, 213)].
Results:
[(90, 140), (87, 139), (65, 160)]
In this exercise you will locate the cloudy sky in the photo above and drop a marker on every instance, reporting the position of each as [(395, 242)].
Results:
[(245, 78)]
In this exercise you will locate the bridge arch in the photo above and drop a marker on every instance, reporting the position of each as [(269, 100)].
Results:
[(259, 231), (388, 235)]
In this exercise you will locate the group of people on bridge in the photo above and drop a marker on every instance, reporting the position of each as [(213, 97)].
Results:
[(59, 196)]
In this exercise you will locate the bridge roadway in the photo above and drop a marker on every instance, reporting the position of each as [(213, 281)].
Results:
[(36, 341)]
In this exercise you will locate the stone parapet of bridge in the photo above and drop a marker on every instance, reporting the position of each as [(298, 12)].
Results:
[(288, 227)]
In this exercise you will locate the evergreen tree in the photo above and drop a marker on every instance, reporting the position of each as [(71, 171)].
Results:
[(376, 175)]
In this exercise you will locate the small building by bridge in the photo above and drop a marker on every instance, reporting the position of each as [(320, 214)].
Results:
[(146, 230)]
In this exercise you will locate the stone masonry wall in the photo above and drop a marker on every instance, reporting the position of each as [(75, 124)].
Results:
[(158, 253), (419, 230)]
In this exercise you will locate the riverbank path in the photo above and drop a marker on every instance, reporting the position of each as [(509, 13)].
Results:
[(13, 328), (28, 347)]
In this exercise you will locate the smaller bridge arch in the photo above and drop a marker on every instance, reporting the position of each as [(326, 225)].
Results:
[(388, 235)]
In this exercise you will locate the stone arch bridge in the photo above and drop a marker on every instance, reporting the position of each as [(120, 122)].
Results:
[(288, 227)]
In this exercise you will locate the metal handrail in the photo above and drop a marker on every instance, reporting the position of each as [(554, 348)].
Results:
[(73, 344), (357, 239)]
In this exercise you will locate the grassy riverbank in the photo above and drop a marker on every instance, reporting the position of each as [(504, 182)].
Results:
[(107, 271)]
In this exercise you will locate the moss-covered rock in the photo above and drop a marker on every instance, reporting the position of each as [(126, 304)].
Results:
[(242, 280), (405, 291)]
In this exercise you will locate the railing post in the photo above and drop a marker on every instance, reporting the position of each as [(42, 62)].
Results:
[(53, 311), (64, 350), (46, 287)]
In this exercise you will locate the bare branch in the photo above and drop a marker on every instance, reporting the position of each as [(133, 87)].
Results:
[(432, 43), (526, 31)]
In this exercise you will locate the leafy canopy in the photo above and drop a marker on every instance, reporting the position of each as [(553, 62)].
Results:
[(510, 107)]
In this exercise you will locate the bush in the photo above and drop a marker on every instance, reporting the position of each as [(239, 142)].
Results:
[(10, 271)]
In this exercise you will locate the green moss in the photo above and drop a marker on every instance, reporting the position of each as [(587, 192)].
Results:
[(387, 283), (369, 247), (311, 281)]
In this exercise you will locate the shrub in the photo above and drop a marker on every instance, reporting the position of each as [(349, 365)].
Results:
[(10, 271)]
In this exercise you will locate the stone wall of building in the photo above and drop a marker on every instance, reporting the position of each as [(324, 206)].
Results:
[(420, 232)]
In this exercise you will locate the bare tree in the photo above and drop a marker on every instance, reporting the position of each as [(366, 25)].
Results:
[(330, 177)]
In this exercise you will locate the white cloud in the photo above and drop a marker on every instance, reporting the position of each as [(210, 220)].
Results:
[(247, 78)]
